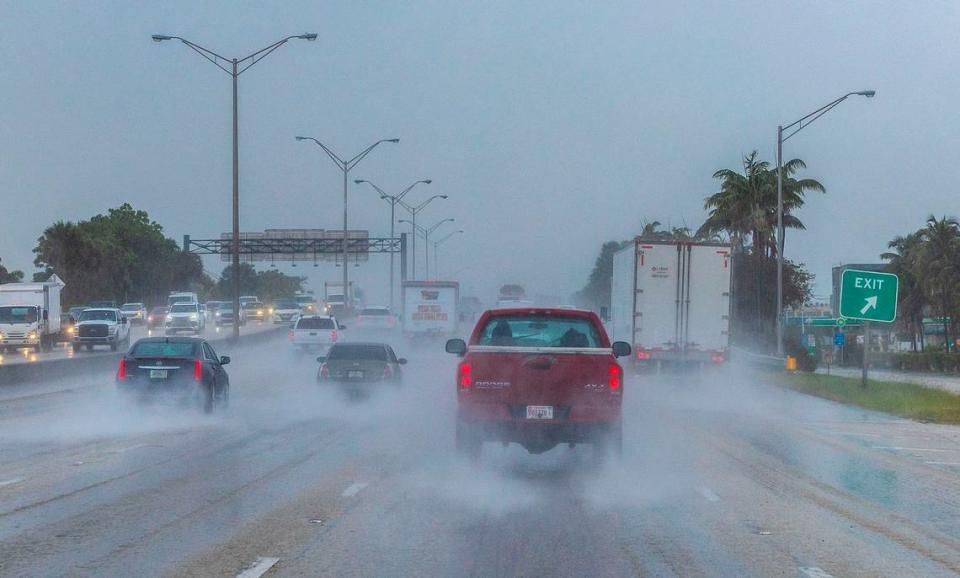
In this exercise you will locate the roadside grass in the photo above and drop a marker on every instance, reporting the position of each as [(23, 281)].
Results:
[(903, 399)]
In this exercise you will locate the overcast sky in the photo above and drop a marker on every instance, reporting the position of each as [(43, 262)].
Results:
[(553, 126)]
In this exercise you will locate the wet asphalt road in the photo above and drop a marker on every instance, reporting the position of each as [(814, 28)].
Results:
[(722, 475)]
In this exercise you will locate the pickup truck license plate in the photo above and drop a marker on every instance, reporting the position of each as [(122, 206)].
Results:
[(539, 412), (158, 374), (354, 374)]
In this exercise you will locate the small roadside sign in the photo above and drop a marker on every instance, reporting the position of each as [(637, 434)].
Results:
[(868, 295), (840, 339)]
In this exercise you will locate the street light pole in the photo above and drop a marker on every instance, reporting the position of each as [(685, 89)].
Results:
[(800, 125), (346, 166), (393, 200), (426, 244), (413, 213), (237, 67), (436, 251)]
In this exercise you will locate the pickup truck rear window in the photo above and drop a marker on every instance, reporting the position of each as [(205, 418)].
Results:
[(164, 349), (539, 331), (98, 315), (315, 323)]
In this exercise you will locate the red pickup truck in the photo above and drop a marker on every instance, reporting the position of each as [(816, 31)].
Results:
[(538, 377)]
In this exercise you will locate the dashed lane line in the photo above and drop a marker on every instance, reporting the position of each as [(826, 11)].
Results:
[(259, 568), (353, 490)]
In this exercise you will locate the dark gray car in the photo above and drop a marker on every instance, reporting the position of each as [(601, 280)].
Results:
[(360, 363)]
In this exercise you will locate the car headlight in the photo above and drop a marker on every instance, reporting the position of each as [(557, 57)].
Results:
[(259, 311), (217, 314), (194, 317)]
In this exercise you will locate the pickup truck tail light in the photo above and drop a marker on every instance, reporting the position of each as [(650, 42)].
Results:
[(387, 372), (122, 370), (616, 377), (197, 370), (290, 335), (333, 335), (464, 375)]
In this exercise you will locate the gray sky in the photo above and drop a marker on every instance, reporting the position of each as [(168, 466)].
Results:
[(552, 126)]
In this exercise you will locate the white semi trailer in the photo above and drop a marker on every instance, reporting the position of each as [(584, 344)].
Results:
[(671, 301)]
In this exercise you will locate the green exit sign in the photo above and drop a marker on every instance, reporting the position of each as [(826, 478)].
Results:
[(868, 295)]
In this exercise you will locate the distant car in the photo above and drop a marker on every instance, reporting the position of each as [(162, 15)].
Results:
[(104, 304), (375, 318), (135, 312), (101, 326), (224, 315), (184, 367), (255, 310), (249, 299), (284, 311), (309, 306), (538, 377), (315, 332), (360, 363), (157, 317), (69, 322), (184, 317)]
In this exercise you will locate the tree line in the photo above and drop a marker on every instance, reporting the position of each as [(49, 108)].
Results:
[(927, 261), (124, 256), (742, 212)]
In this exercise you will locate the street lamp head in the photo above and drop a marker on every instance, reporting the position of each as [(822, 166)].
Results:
[(302, 138), (393, 140), (358, 181), (384, 197), (311, 36), (868, 93), (442, 196), (161, 37), (426, 181)]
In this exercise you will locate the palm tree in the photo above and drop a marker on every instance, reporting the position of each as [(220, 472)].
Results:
[(905, 264), (939, 271)]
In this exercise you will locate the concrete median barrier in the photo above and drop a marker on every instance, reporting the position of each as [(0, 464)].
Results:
[(51, 369)]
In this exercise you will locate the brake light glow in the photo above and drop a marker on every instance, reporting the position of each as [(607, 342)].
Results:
[(290, 334), (717, 358), (122, 370), (641, 354), (333, 335), (464, 375), (387, 371), (324, 371), (616, 377), (197, 370)]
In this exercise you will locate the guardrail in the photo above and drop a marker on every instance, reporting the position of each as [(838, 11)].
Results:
[(22, 373), (759, 359)]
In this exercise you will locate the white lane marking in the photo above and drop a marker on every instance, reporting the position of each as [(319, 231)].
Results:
[(353, 490), (855, 433), (708, 494), (932, 463), (900, 448), (813, 572), (259, 568), (10, 482)]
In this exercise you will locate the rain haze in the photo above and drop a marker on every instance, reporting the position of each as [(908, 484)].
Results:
[(605, 365), (553, 127)]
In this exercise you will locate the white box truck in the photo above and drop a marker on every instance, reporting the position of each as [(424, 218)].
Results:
[(30, 314), (430, 308), (671, 301)]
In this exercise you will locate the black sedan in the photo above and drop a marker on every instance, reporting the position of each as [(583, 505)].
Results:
[(186, 368), (357, 363)]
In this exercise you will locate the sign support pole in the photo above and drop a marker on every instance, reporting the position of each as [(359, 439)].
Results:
[(866, 353)]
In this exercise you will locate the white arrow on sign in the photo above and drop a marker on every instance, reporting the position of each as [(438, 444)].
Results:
[(871, 304)]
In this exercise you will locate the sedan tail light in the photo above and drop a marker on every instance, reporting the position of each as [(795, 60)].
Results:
[(464, 375), (122, 370), (324, 371), (333, 335), (387, 372), (641, 354), (616, 377), (290, 335), (197, 370)]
